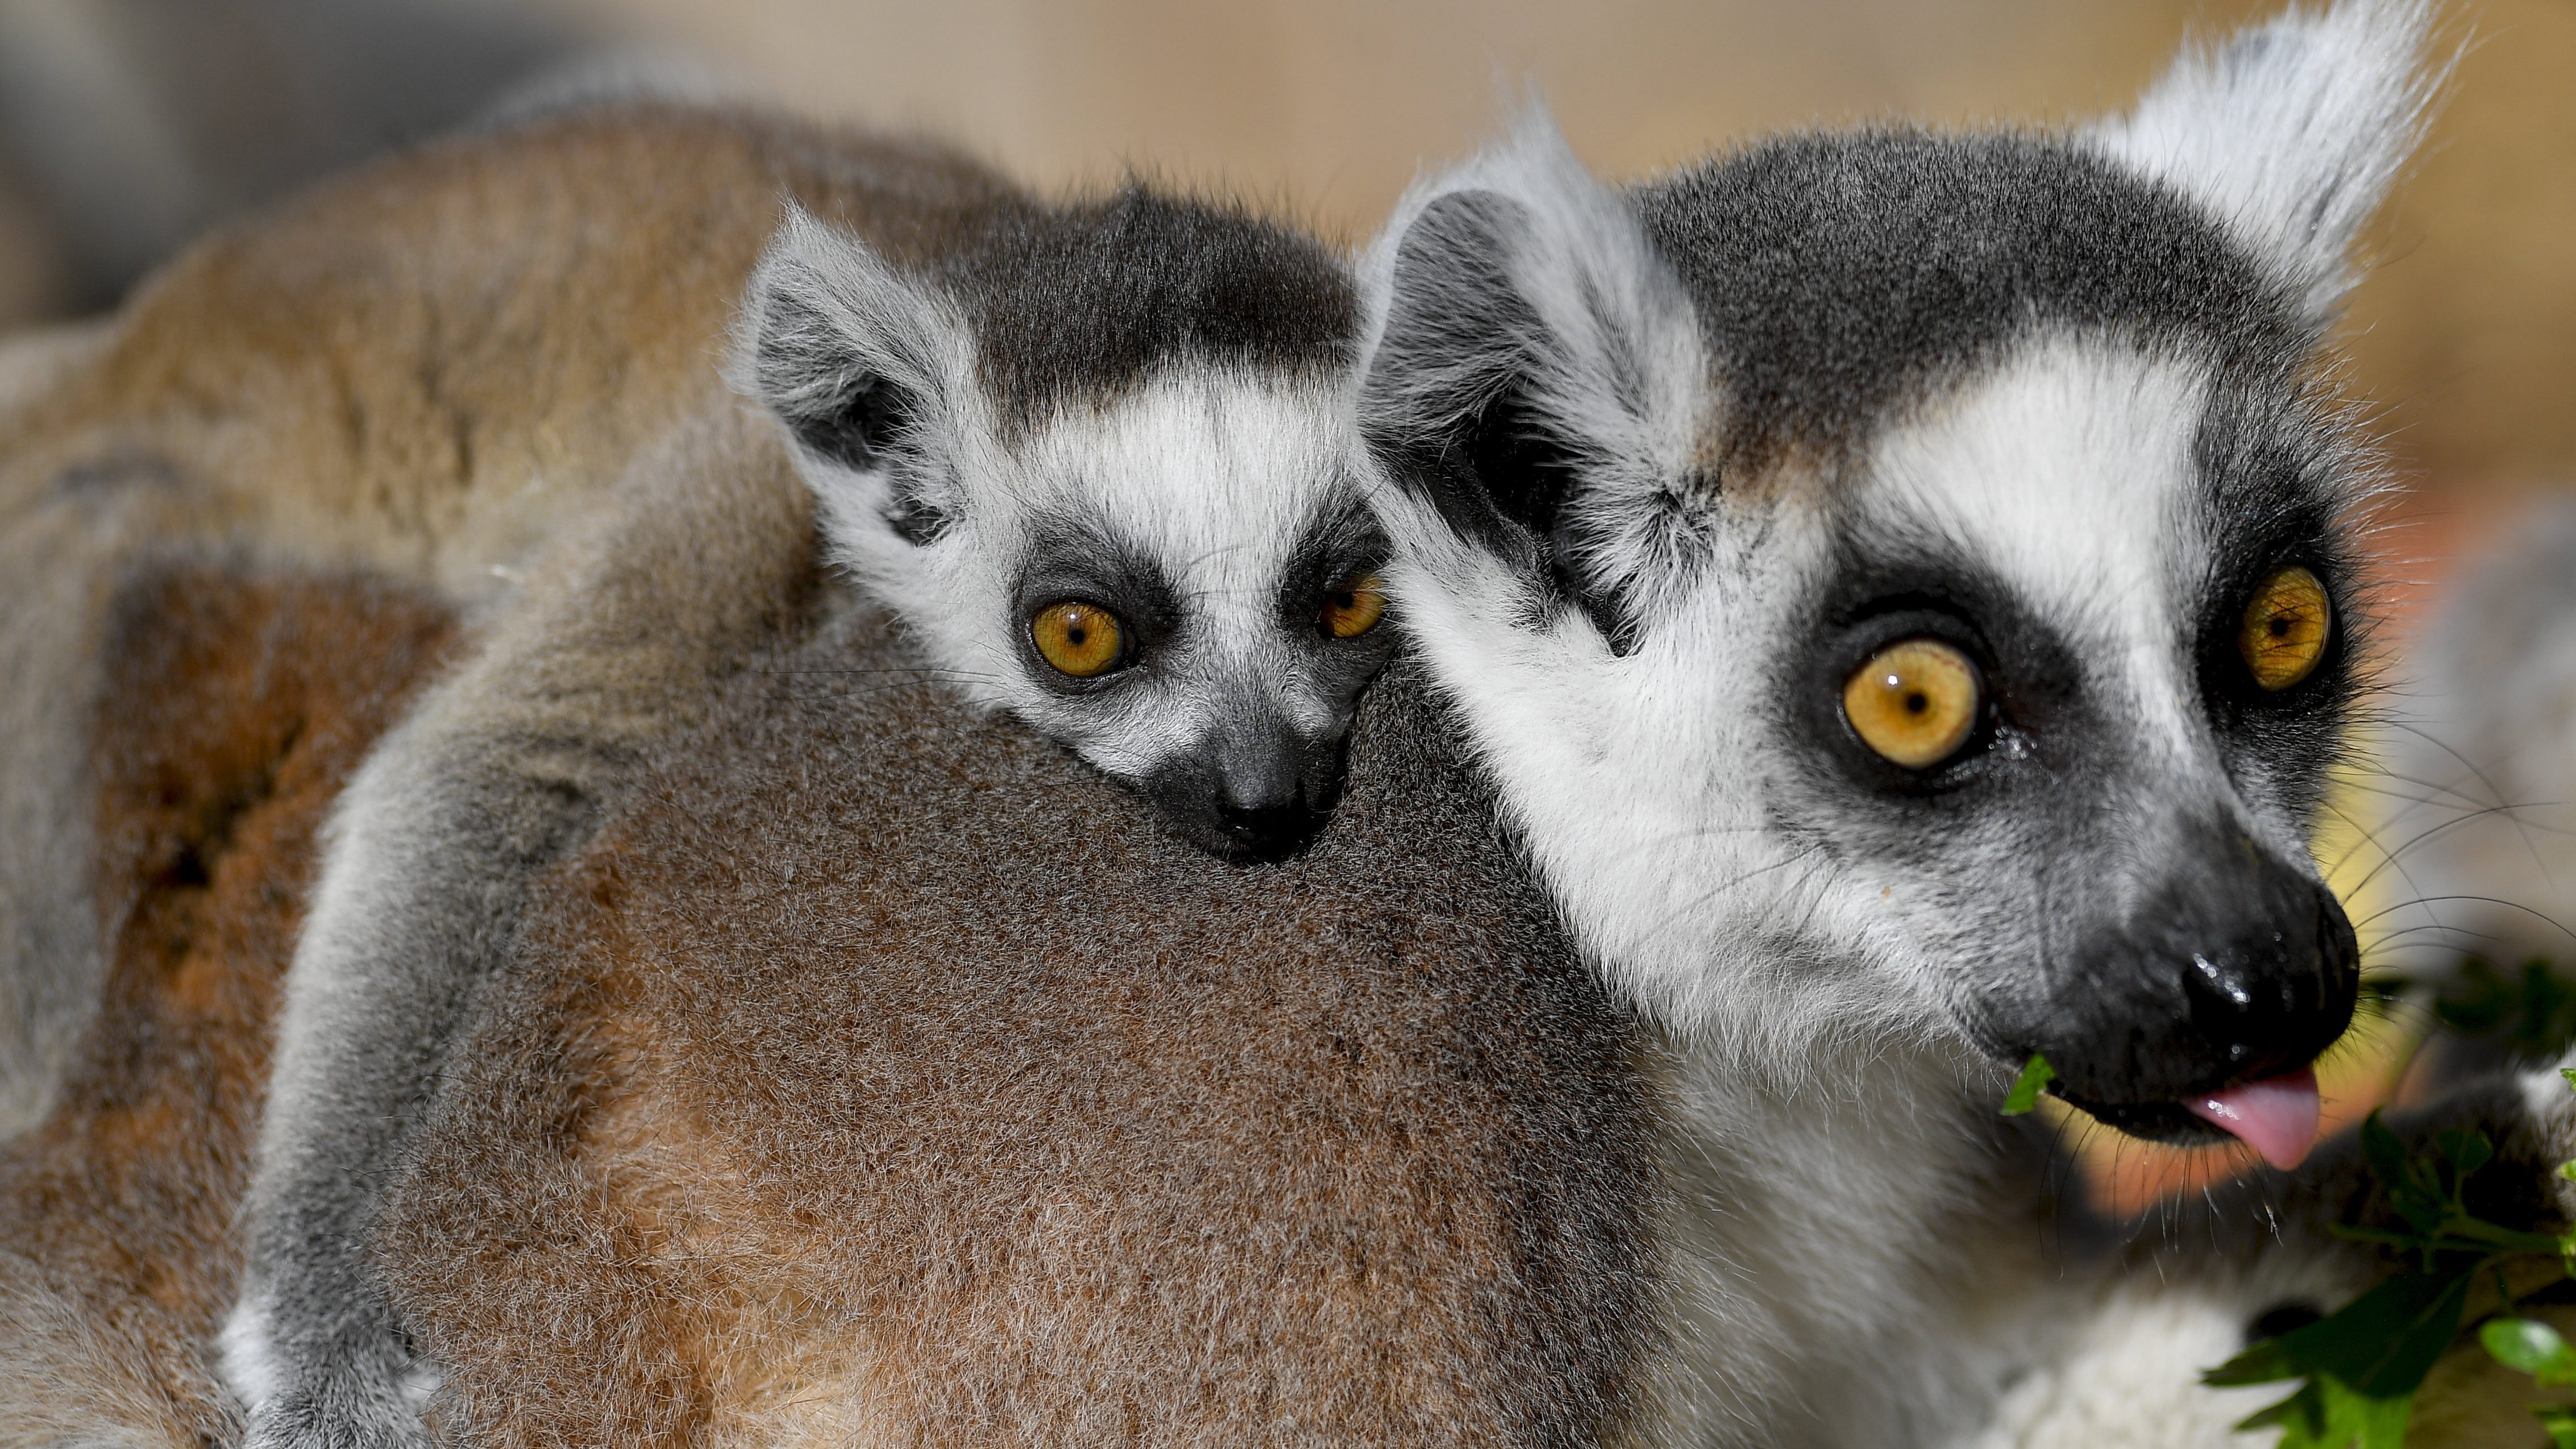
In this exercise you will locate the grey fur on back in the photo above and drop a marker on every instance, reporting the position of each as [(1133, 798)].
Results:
[(1347, 1149)]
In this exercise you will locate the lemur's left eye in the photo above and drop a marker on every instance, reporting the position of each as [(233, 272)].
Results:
[(2286, 628), (1078, 639), (1915, 702), (1353, 606)]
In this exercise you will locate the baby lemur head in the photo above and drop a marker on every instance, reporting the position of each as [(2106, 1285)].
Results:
[(1904, 581), (1099, 460)]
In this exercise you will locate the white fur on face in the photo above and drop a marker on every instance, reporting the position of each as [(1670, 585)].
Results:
[(1215, 477)]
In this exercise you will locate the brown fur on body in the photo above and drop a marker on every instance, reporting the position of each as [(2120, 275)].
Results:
[(233, 710), (880, 1074), (429, 370)]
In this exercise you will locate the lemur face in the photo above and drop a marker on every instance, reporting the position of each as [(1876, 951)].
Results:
[(2055, 694), (1182, 588), (1904, 581), (1163, 560)]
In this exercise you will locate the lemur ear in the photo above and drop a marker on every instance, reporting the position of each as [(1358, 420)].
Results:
[(2292, 132), (864, 366), (1534, 371)]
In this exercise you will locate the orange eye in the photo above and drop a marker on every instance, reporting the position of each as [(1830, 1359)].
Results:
[(1353, 606), (2286, 628), (1914, 702), (1079, 639)]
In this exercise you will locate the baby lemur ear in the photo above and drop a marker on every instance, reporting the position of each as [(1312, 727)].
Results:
[(1536, 375), (2292, 132), (865, 366)]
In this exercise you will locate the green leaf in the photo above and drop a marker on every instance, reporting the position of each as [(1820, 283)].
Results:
[(2025, 1092), (2466, 1150), (2379, 1346), (2533, 1347), (2561, 1425), (2326, 1415), (2301, 1418), (2415, 1197), (2570, 1074)]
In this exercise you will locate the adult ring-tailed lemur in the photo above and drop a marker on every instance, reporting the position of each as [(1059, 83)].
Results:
[(1903, 584)]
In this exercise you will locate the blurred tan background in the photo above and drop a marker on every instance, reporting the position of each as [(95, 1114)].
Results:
[(2466, 331)]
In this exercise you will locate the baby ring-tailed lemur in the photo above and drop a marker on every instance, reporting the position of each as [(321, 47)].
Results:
[(1177, 580), (1097, 459), (1905, 585)]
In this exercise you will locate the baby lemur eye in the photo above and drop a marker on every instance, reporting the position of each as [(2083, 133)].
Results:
[(1915, 702), (1078, 639), (1353, 606), (2286, 628)]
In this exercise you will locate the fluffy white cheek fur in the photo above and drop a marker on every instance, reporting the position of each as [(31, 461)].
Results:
[(1639, 783)]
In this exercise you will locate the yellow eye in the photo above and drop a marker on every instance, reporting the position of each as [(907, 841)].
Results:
[(1078, 639), (1914, 702), (1353, 606), (2286, 628)]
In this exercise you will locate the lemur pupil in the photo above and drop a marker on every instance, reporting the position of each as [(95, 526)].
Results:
[(1917, 702), (1076, 635)]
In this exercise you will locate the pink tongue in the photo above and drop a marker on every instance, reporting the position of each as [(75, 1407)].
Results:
[(2276, 1116)]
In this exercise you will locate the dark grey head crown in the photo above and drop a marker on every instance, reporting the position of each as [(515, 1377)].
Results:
[(1835, 276), (1088, 300)]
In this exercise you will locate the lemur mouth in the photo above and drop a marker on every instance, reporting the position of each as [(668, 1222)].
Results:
[(2276, 1116)]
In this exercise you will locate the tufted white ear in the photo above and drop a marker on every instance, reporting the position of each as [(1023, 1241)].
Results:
[(2292, 132), (869, 370), (1535, 368)]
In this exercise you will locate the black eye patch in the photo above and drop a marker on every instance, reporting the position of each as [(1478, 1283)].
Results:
[(1329, 553), (1090, 566), (1877, 598)]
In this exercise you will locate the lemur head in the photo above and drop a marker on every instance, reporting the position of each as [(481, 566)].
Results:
[(1903, 582), (1099, 460)]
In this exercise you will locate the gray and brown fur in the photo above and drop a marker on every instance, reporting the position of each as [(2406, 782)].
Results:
[(822, 1046), (234, 708), (603, 650), (429, 370), (879, 1072)]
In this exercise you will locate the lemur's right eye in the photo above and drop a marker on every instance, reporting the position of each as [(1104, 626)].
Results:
[(1915, 702), (1078, 639), (2286, 627), (1353, 606)]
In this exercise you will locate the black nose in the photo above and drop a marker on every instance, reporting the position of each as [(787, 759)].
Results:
[(1269, 830), (1264, 798), (2235, 967), (2278, 992)]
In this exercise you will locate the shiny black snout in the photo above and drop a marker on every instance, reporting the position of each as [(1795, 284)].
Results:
[(2236, 968), (1252, 799)]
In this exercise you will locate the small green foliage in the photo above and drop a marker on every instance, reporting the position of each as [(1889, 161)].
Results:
[(2326, 1415), (2362, 1365), (2025, 1092), (2378, 1348), (2532, 1347)]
